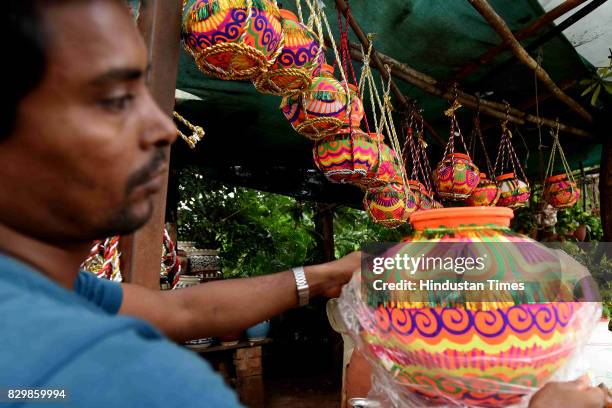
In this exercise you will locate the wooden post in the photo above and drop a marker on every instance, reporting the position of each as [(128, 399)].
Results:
[(605, 188), (159, 23), (324, 225)]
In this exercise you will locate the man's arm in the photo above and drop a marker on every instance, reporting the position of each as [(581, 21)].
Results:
[(221, 307)]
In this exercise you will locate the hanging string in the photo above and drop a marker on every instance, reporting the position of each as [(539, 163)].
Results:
[(455, 130), (196, 136), (556, 148)]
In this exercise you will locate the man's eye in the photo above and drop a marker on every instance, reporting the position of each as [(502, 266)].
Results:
[(117, 103)]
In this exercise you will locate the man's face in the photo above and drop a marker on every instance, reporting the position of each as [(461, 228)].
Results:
[(87, 151)]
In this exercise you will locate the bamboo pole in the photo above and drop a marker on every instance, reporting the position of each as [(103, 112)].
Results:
[(526, 32), (378, 64), (430, 85), (498, 24)]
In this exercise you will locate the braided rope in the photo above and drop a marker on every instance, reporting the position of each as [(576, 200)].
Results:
[(196, 136), (265, 82)]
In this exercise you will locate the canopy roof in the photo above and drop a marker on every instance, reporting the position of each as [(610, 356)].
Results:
[(248, 141)]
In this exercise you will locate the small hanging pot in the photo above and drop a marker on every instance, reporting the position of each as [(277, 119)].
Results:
[(425, 199), (456, 177), (321, 110), (347, 157), (299, 61), (387, 168), (389, 206), (357, 111), (232, 39), (561, 192), (513, 193), (485, 194)]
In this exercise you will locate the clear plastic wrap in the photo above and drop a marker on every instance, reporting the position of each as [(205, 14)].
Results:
[(456, 357)]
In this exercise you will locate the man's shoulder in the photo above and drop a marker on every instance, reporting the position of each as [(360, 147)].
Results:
[(47, 342)]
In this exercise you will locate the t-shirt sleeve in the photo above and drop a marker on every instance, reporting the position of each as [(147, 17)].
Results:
[(105, 294)]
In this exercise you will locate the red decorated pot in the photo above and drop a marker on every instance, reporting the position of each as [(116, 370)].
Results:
[(391, 205), (321, 110), (456, 176), (485, 194), (357, 111), (424, 198), (298, 61), (387, 169), (346, 157), (513, 193), (230, 42), (561, 192), (476, 353)]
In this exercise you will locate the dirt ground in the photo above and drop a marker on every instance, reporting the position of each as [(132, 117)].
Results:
[(301, 393)]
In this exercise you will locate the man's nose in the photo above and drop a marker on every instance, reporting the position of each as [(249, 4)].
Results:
[(160, 129)]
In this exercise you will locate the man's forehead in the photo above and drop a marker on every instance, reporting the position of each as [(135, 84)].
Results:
[(91, 38)]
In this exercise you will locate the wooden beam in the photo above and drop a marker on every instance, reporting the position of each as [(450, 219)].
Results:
[(365, 42), (526, 32), (605, 188), (430, 85), (498, 24), (160, 24)]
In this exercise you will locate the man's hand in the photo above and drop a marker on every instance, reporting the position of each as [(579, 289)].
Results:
[(327, 279), (572, 394)]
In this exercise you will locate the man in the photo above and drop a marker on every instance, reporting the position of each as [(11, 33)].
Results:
[(81, 153)]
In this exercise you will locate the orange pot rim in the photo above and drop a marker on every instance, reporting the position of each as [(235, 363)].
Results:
[(376, 136), (460, 155), (326, 67), (461, 216), (482, 175), (288, 15), (356, 130), (416, 183), (505, 176), (557, 177)]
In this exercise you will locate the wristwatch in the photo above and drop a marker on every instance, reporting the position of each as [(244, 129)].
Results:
[(301, 286)]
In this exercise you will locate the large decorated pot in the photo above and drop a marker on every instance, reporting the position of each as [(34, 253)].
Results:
[(387, 169), (232, 39), (390, 205), (346, 157), (485, 194), (513, 193), (470, 349), (561, 192), (456, 176), (319, 111), (297, 63)]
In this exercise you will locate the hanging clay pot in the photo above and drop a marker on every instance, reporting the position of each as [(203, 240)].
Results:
[(230, 42), (514, 193), (561, 192), (389, 206), (321, 110), (387, 170), (456, 176), (485, 194), (357, 111), (425, 200), (346, 157), (297, 63)]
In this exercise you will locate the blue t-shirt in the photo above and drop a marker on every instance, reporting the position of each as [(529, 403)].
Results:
[(53, 338)]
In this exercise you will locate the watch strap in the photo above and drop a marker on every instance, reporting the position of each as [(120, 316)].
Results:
[(301, 284)]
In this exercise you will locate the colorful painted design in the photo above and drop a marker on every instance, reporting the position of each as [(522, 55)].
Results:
[(390, 206), (213, 33), (346, 157), (456, 176), (295, 66), (485, 194), (473, 356), (561, 192), (357, 111), (424, 199), (513, 193), (318, 112)]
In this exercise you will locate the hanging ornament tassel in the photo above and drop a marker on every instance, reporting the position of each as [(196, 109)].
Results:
[(196, 136)]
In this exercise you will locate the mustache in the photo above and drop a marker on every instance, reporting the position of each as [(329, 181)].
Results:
[(144, 174)]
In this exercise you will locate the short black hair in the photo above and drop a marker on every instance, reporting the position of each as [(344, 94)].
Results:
[(22, 40)]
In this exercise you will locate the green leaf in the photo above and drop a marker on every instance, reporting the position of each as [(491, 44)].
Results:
[(608, 86), (595, 95), (589, 89)]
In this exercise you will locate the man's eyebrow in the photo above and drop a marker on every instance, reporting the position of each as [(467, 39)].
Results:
[(120, 75)]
